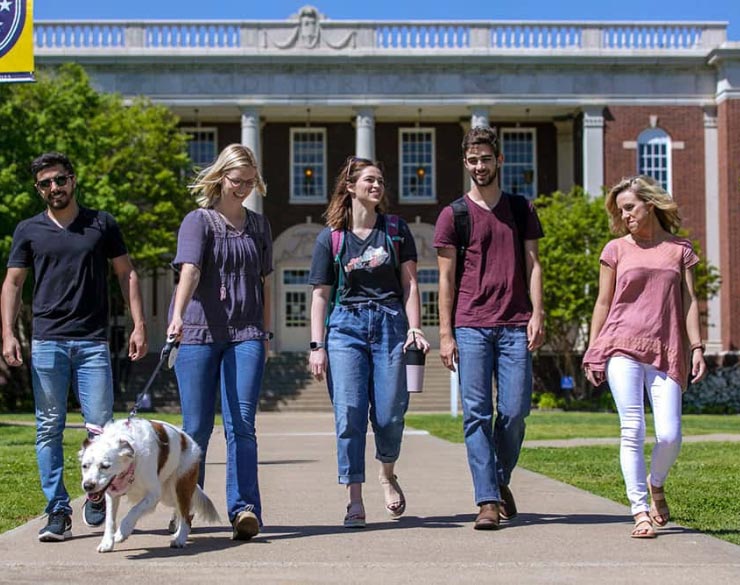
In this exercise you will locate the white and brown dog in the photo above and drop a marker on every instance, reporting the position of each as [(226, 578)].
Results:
[(148, 461)]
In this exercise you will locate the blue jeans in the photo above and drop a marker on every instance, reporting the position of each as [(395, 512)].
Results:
[(55, 365), (237, 368), (493, 447), (367, 371)]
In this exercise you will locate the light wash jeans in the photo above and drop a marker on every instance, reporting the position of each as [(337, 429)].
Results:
[(628, 380), (493, 446), (234, 369), (55, 366), (367, 371)]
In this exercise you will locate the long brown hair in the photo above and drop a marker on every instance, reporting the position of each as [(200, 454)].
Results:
[(648, 190), (338, 214)]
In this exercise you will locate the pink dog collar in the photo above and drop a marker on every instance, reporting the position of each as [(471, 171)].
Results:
[(122, 482)]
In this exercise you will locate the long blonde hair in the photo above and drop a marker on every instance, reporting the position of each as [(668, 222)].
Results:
[(207, 185), (648, 190)]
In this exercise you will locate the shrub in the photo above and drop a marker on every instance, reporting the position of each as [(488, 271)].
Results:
[(718, 393), (549, 401)]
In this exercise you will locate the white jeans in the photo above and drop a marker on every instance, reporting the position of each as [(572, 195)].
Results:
[(628, 379)]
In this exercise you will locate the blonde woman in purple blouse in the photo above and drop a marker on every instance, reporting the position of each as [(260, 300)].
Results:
[(219, 313), (645, 335)]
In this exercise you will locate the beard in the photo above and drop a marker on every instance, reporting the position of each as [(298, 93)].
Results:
[(486, 179), (61, 202)]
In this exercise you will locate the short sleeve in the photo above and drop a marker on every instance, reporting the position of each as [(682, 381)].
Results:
[(114, 245), (21, 255), (533, 228), (444, 229), (191, 240), (322, 263), (408, 245), (690, 258), (609, 255)]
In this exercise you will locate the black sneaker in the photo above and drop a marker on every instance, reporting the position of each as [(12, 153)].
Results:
[(57, 528), (93, 513)]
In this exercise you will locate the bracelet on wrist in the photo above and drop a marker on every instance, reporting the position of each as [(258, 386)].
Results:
[(415, 330), (698, 345)]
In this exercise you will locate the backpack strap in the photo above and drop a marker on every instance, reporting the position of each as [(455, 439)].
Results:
[(337, 247), (462, 221), (392, 235), (520, 211)]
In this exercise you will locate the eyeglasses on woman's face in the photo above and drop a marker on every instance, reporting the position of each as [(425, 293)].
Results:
[(249, 184)]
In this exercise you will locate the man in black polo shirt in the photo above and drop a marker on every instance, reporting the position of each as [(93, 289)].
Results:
[(68, 248)]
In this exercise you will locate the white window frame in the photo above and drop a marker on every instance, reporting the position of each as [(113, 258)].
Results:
[(509, 166), (191, 130), (303, 288), (403, 198), (652, 137), (322, 189), (428, 287)]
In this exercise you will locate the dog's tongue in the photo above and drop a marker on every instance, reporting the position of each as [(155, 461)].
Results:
[(96, 497)]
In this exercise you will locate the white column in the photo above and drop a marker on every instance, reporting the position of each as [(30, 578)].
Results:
[(365, 134), (479, 118), (251, 139), (593, 150), (564, 129), (711, 202)]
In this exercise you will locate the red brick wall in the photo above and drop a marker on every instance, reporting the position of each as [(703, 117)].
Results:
[(683, 124), (729, 188)]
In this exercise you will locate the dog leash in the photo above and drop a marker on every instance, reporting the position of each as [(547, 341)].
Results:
[(168, 354)]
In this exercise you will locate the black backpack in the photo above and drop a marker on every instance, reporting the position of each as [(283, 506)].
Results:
[(519, 209)]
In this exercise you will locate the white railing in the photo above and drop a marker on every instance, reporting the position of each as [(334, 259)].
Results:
[(411, 36), (536, 36), (381, 36), (218, 36)]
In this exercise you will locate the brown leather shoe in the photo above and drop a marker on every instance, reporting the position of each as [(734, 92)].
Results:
[(488, 517), (507, 507)]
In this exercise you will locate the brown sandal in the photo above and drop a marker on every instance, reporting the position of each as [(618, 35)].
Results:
[(396, 507), (643, 526), (659, 511)]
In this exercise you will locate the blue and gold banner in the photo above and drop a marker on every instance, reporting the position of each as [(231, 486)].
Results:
[(16, 40)]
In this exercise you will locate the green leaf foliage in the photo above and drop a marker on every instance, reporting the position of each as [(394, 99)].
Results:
[(576, 229), (130, 159)]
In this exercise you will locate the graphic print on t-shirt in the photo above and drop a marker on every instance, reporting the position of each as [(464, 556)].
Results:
[(371, 258)]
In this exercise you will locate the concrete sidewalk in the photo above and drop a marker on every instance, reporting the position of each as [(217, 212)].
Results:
[(563, 535)]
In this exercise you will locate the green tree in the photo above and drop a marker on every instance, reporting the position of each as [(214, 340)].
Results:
[(130, 159), (576, 229)]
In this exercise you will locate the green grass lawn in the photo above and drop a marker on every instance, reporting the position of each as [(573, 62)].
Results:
[(699, 490), (20, 491), (571, 425), (701, 486)]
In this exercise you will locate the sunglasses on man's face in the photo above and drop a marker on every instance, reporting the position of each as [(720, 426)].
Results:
[(59, 181)]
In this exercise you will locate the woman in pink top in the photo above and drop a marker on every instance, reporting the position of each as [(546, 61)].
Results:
[(644, 326)]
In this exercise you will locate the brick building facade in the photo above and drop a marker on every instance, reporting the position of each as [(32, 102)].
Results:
[(576, 103)]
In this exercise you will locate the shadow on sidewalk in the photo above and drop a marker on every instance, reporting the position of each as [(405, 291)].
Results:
[(585, 519), (271, 533)]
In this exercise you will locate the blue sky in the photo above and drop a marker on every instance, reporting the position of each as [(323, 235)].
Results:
[(630, 10)]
